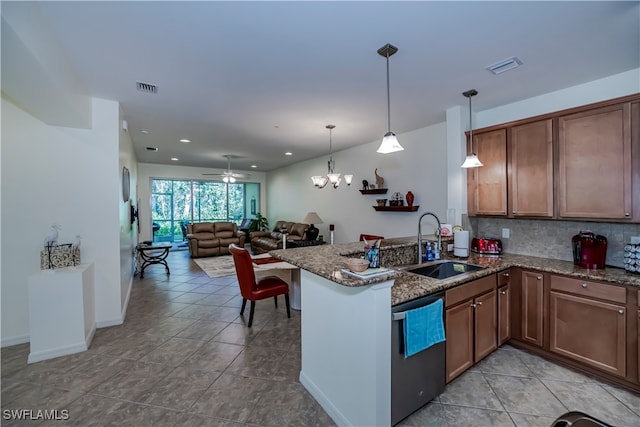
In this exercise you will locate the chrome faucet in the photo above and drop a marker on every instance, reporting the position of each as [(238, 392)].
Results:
[(439, 248)]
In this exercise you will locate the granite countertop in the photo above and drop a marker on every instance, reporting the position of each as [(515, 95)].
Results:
[(327, 261)]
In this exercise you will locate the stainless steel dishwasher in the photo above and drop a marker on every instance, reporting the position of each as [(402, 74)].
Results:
[(417, 379)]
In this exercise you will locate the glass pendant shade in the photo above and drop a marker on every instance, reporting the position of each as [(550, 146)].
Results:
[(472, 161), (319, 181), (389, 144), (348, 178)]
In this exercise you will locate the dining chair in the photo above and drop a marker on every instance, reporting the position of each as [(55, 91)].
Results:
[(252, 290)]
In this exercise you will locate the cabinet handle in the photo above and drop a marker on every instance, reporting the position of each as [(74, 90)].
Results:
[(514, 212), (473, 305), (584, 285), (627, 214), (539, 277), (479, 303), (503, 292), (621, 311), (505, 274)]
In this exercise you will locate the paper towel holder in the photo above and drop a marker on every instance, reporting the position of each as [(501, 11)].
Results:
[(461, 243)]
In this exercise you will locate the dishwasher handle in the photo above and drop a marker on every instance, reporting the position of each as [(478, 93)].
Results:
[(399, 316)]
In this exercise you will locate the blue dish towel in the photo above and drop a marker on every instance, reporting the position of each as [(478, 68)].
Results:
[(423, 327)]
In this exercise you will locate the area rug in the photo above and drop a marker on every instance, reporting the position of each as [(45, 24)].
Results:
[(217, 266)]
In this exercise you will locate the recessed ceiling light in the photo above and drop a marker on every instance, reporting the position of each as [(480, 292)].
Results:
[(152, 148), (175, 159), (185, 141), (288, 153), (504, 65), (254, 166), (144, 132)]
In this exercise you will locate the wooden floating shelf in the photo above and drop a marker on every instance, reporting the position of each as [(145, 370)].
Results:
[(397, 208), (376, 191)]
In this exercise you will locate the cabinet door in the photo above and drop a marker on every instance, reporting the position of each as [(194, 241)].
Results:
[(589, 331), (459, 343), (487, 185), (531, 184), (532, 307), (485, 325), (504, 314), (594, 161)]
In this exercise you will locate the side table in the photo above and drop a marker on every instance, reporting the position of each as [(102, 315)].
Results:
[(155, 253)]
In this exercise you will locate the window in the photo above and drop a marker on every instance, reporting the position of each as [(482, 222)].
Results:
[(174, 203)]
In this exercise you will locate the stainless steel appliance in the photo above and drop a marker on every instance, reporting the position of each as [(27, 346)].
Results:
[(417, 379), (486, 246)]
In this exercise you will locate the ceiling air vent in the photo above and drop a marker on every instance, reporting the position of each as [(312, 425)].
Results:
[(504, 65), (147, 87), (152, 148)]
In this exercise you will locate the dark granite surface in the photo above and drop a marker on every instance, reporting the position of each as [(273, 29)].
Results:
[(327, 261)]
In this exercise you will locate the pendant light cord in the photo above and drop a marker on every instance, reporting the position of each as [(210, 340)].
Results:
[(388, 97), (470, 127)]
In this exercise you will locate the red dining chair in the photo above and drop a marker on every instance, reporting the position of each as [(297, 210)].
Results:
[(270, 286)]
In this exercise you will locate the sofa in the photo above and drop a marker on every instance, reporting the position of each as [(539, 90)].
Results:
[(213, 238), (265, 241)]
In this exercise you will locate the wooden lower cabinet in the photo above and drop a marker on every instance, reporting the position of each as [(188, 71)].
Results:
[(459, 343), (471, 323), (485, 324), (590, 331), (504, 314), (532, 307)]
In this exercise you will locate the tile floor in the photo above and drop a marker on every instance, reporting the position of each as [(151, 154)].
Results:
[(184, 357)]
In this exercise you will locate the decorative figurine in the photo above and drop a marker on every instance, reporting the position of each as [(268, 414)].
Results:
[(365, 184), (379, 180)]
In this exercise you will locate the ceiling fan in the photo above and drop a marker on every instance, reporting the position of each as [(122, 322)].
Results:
[(229, 175)]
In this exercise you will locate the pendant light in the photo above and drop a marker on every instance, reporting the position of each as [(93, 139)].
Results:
[(332, 177), (471, 161), (389, 143)]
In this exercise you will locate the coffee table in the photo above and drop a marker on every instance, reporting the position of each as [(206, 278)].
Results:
[(154, 253)]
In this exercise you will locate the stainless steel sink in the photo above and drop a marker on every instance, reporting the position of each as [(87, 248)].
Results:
[(442, 269)]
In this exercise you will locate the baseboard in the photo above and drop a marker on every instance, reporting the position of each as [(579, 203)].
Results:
[(326, 404), (57, 352), (110, 322), (8, 342)]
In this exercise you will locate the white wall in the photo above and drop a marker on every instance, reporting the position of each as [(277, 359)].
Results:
[(147, 171), (421, 168), (128, 231), (68, 176)]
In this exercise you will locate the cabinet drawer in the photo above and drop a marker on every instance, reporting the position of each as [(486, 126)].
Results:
[(464, 292), (590, 289), (504, 277)]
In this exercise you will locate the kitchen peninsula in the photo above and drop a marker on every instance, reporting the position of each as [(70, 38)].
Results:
[(346, 327)]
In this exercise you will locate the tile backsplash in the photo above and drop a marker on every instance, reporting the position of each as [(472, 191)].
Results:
[(552, 239)]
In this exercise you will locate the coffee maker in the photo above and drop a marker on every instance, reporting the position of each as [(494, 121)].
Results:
[(589, 250)]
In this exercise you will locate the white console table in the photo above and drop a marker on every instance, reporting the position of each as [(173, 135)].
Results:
[(61, 311)]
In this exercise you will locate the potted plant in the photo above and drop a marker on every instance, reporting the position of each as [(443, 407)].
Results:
[(259, 223)]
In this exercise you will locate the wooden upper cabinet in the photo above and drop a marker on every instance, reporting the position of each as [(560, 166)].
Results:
[(531, 170), (487, 185), (594, 163)]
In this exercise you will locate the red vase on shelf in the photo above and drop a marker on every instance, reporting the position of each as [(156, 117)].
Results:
[(409, 197)]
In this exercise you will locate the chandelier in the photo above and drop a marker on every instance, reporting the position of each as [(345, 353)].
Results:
[(332, 177)]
